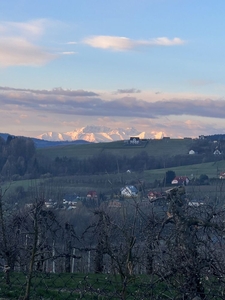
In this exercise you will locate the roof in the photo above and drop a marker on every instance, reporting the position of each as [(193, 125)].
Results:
[(178, 179), (129, 188), (92, 193)]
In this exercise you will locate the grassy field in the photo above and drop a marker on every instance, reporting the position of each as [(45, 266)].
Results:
[(111, 183), (97, 287), (158, 148), (211, 169), (163, 148)]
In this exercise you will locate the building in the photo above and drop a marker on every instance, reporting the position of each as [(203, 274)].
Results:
[(92, 195), (191, 152), (129, 191), (180, 180), (152, 195), (134, 140), (222, 175)]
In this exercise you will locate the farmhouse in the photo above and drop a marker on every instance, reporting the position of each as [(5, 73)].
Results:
[(134, 140), (92, 195), (129, 191), (191, 152), (180, 180), (217, 152), (152, 195), (222, 175)]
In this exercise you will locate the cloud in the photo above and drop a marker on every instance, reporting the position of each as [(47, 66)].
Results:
[(201, 82), (123, 43), (68, 53), (32, 28), (127, 91), (88, 103), (56, 91), (20, 52), (17, 47)]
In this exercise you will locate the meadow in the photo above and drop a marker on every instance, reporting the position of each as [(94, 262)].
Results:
[(163, 147)]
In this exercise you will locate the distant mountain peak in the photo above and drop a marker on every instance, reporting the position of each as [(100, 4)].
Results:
[(93, 133)]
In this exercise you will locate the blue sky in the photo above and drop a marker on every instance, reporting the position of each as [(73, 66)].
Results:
[(156, 65)]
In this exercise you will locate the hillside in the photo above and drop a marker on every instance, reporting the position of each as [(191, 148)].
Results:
[(212, 169), (157, 148)]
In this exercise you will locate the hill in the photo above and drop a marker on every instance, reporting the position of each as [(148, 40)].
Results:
[(41, 143), (158, 148)]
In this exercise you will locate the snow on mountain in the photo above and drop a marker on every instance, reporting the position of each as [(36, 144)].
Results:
[(94, 134)]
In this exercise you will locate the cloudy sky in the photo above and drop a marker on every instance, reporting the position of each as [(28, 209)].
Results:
[(155, 65)]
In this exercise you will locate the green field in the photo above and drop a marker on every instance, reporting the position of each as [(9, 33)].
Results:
[(163, 149), (158, 148), (72, 286), (111, 183), (211, 169)]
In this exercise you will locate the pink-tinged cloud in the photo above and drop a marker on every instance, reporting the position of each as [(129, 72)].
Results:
[(18, 44), (32, 28), (20, 52), (89, 103), (123, 43)]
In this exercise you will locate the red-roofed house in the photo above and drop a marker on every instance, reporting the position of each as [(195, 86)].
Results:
[(92, 195), (152, 195), (180, 180)]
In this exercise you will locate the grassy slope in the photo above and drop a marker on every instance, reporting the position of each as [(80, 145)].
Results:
[(152, 147), (160, 148), (212, 169)]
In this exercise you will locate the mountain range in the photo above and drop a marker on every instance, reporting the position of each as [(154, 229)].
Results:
[(93, 134)]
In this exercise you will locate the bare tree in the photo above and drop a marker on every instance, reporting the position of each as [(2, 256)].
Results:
[(191, 261)]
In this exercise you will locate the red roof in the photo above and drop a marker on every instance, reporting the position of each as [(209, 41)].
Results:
[(92, 194)]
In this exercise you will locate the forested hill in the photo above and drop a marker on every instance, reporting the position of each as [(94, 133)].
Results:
[(20, 159), (46, 144)]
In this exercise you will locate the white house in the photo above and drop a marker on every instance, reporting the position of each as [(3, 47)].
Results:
[(129, 191), (217, 152), (134, 140), (191, 152)]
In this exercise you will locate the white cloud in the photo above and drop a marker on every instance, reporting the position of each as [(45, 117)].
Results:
[(123, 43), (69, 53), (33, 28), (71, 43), (16, 51), (17, 47)]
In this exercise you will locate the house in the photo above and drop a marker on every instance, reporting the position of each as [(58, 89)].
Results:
[(49, 204), (152, 195), (217, 152), (180, 180), (92, 195), (134, 140), (129, 191), (191, 152), (222, 175)]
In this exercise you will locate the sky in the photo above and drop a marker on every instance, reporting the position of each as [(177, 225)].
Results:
[(155, 65)]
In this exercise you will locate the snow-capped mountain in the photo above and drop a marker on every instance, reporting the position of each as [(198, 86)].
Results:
[(94, 134)]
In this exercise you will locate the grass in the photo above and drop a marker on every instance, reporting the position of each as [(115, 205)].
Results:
[(158, 148), (110, 183), (95, 286), (211, 169), (80, 286)]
